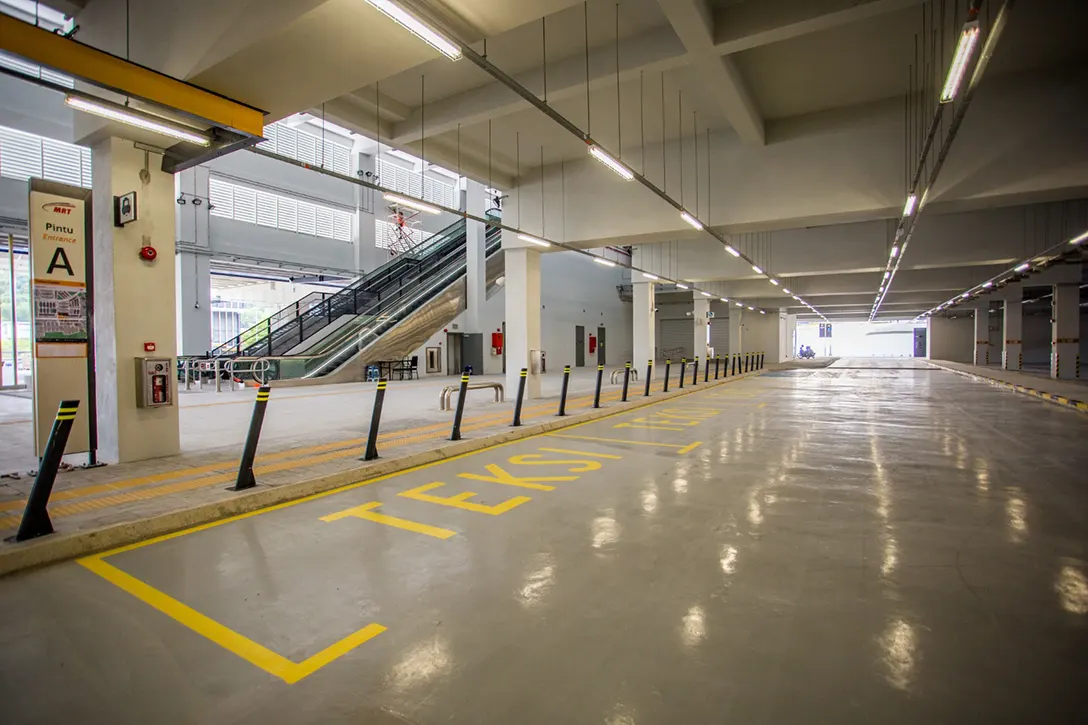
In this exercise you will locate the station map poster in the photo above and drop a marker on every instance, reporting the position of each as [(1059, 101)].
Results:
[(59, 236)]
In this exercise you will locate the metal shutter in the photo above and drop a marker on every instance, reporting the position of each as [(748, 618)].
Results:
[(719, 336), (676, 335)]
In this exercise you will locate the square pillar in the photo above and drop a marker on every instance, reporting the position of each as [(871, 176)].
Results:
[(1065, 332), (736, 341), (522, 292), (645, 323), (193, 277), (476, 256), (702, 307), (982, 336), (1012, 353), (368, 256), (134, 302)]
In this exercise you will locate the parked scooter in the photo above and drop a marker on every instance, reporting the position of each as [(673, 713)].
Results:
[(806, 353)]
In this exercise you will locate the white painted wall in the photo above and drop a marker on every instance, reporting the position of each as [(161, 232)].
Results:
[(951, 339)]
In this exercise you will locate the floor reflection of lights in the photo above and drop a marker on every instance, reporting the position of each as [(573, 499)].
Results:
[(729, 559), (421, 664), (1072, 588), (538, 582), (899, 645), (605, 530), (694, 627), (1016, 510)]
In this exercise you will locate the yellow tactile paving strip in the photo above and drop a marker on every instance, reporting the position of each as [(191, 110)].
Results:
[(88, 499)]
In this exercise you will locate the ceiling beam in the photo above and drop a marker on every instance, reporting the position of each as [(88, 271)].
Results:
[(694, 24)]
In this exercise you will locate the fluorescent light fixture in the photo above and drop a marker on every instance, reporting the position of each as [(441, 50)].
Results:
[(753, 309), (705, 294), (763, 312), (139, 119), (647, 275), (988, 284), (908, 208), (962, 58), (605, 262), (756, 269), (691, 220), (1078, 240), (599, 154), (739, 304), (412, 203), (786, 290), (417, 28), (1023, 267), (534, 240), (895, 252), (682, 286), (774, 282), (887, 274), (732, 251), (965, 295), (798, 298), (724, 299)]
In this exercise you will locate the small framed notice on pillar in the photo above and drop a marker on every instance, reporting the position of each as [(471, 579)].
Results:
[(61, 309)]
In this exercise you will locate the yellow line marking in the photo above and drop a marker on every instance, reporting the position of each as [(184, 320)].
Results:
[(651, 427), (581, 453), (614, 440), (460, 500), (256, 654), (690, 448), (762, 405), (366, 512)]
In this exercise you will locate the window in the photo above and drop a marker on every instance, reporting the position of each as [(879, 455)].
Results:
[(397, 178), (23, 155), (17, 64), (331, 152), (267, 209)]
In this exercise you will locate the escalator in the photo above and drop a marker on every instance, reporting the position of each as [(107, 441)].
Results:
[(384, 315)]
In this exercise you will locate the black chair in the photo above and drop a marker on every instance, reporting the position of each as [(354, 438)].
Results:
[(413, 368)]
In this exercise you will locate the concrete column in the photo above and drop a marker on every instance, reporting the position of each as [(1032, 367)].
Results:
[(791, 337), (736, 341), (1065, 332), (1012, 353), (702, 306), (193, 263), (476, 256), (982, 335), (522, 292), (368, 256), (645, 323), (134, 301)]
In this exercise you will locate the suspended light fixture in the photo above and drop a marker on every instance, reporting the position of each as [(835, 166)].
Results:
[(763, 312), (1078, 240), (599, 154), (739, 304), (647, 275), (756, 269), (786, 290), (774, 282), (132, 117), (418, 28), (534, 240), (605, 262), (988, 284), (682, 286), (1023, 267), (732, 251), (724, 299), (887, 274), (908, 208), (895, 251), (705, 294), (753, 309), (965, 295), (412, 203), (691, 220), (960, 60)]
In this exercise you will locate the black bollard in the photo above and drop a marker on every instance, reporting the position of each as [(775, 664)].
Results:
[(683, 366), (695, 372), (717, 365), (747, 360), (35, 520), (762, 359), (597, 392), (668, 363), (245, 467), (626, 380), (455, 435), (563, 393), (706, 370), (521, 396), (375, 419), (649, 374), (734, 364)]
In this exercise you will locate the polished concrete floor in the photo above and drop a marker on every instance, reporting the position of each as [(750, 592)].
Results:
[(860, 544)]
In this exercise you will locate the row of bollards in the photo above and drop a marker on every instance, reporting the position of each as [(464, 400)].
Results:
[(36, 522)]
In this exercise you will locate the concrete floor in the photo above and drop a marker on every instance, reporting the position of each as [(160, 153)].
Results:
[(865, 543)]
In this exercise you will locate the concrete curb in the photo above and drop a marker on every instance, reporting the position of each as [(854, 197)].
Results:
[(61, 547), (1049, 397)]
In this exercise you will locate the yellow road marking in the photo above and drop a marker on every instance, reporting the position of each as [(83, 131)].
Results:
[(614, 440), (500, 476), (256, 654), (581, 453), (366, 511), (460, 500), (651, 427), (690, 448)]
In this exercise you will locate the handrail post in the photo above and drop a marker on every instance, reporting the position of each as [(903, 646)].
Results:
[(649, 375), (455, 435), (375, 419), (597, 392), (35, 520), (668, 364), (683, 368), (563, 394), (268, 334), (521, 395), (626, 380), (245, 467)]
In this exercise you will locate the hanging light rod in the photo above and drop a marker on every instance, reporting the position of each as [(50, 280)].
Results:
[(605, 262), (418, 28), (412, 203), (649, 276), (534, 240), (599, 154), (132, 117), (732, 251), (691, 220), (965, 49)]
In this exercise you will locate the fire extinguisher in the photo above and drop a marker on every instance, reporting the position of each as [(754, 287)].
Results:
[(158, 389)]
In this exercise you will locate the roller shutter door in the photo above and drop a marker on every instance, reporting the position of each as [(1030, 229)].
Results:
[(719, 336), (677, 339)]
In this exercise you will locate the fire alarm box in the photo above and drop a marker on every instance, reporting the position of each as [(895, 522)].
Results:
[(496, 343), (153, 389), (592, 344)]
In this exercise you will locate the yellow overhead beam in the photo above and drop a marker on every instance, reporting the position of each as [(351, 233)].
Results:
[(131, 79)]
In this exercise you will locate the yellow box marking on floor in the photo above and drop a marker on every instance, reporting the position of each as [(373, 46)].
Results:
[(501, 476), (530, 459), (689, 448), (419, 493), (256, 654), (648, 427), (366, 512), (582, 453)]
